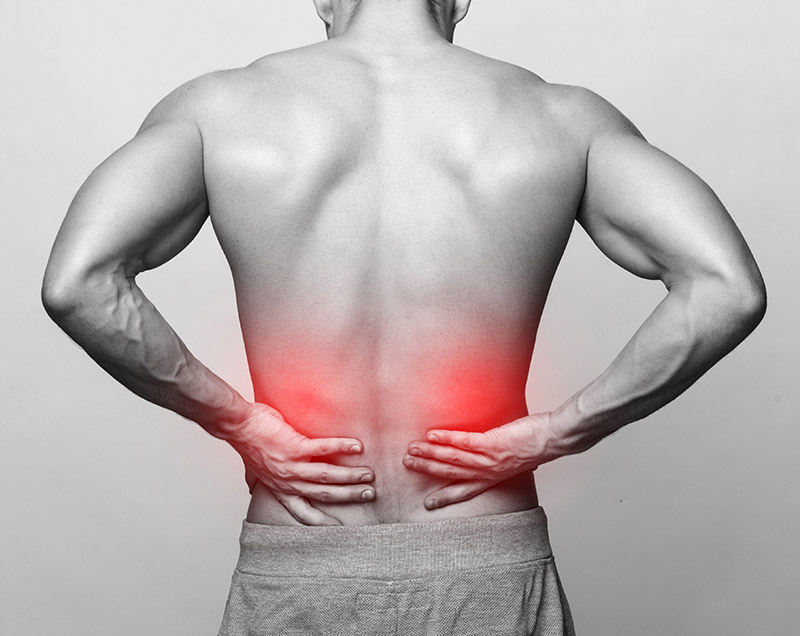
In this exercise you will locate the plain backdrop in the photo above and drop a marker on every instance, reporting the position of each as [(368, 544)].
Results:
[(121, 518)]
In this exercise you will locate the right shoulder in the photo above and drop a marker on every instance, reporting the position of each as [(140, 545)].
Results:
[(578, 112), (587, 113)]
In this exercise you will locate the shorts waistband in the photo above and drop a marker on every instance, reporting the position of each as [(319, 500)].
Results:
[(396, 550)]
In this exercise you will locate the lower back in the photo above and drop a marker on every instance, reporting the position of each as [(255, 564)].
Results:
[(391, 266)]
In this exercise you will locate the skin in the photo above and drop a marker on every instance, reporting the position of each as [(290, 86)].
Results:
[(393, 209)]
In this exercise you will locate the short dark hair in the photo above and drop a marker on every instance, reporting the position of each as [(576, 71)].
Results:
[(435, 8)]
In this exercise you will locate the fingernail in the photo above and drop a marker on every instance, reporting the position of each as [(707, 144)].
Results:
[(408, 461), (355, 448), (433, 437), (366, 477), (367, 494), (430, 503), (414, 451)]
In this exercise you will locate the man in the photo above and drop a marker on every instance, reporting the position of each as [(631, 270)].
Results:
[(393, 209)]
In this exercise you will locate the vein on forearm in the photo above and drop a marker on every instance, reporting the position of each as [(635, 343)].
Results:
[(123, 332), (696, 324)]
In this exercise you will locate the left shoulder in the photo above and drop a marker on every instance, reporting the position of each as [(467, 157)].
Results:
[(193, 101)]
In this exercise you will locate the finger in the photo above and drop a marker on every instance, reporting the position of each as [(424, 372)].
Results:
[(304, 512), (331, 474), (332, 494), (455, 493), (449, 454), (459, 439), (439, 469), (331, 445)]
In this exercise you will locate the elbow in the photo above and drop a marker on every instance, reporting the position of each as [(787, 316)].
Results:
[(731, 304), (77, 283), (60, 296), (754, 304), (73, 294), (747, 301), (67, 291)]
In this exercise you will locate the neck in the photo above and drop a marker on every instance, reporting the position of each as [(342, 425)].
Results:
[(389, 22)]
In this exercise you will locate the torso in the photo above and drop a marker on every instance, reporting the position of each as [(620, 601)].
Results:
[(392, 228)]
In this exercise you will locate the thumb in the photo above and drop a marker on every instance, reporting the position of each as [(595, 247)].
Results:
[(304, 512)]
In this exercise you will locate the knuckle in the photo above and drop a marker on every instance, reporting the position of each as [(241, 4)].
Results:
[(505, 459), (325, 495), (451, 473), (466, 493), (293, 452), (324, 477)]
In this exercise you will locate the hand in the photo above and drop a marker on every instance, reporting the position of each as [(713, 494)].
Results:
[(474, 462), (277, 455)]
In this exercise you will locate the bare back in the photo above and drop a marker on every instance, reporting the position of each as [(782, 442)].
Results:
[(393, 226)]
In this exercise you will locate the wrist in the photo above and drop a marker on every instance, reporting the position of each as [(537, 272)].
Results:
[(581, 422), (541, 443), (228, 421), (550, 442), (566, 436)]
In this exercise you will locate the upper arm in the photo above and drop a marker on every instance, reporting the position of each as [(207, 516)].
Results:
[(652, 215), (141, 206)]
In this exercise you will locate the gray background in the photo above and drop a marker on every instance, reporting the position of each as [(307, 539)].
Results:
[(120, 518)]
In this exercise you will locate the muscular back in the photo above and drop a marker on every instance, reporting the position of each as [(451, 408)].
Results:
[(393, 222), (393, 226)]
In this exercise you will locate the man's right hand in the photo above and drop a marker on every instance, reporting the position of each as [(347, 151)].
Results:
[(287, 463)]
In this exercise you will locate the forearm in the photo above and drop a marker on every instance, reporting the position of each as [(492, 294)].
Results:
[(696, 325), (113, 321)]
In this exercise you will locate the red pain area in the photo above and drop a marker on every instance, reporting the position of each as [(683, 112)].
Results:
[(327, 393)]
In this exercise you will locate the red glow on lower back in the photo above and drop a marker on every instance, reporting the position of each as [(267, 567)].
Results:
[(313, 388)]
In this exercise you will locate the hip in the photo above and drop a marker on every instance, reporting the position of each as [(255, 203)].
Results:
[(399, 499)]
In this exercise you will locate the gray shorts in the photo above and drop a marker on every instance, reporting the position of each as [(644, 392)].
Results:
[(483, 576)]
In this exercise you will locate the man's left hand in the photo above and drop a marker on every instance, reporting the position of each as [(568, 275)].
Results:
[(474, 462)]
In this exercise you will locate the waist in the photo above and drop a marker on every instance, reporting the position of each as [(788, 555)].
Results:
[(396, 550), (400, 492), (400, 496)]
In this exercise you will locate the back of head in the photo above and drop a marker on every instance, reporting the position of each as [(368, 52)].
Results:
[(443, 13), (435, 7)]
